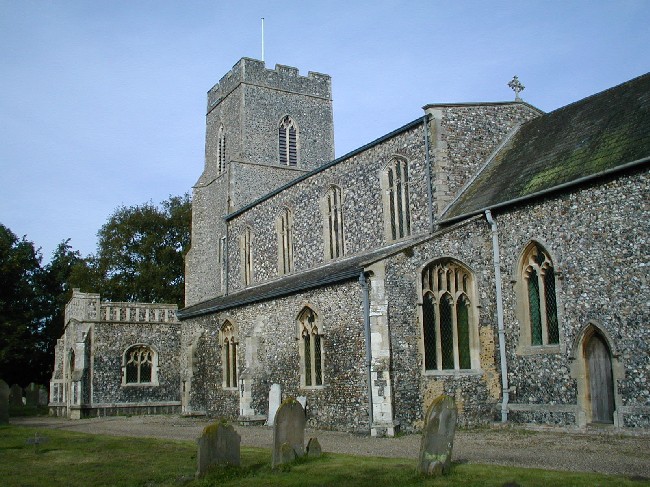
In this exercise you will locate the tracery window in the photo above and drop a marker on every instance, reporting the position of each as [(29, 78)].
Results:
[(395, 185), (221, 150), (284, 226), (288, 142), (538, 276), (246, 251), (311, 349), (334, 226), (229, 347), (448, 318), (139, 365)]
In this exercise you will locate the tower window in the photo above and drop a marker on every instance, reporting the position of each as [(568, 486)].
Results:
[(221, 151), (288, 142)]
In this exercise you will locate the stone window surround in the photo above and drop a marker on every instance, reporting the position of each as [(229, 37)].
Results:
[(474, 340), (391, 225), (221, 150), (333, 221), (301, 346), (246, 255), (284, 232), (228, 331), (154, 367), (524, 346), (285, 124)]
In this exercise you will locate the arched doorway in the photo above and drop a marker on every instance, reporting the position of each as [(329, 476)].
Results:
[(600, 382)]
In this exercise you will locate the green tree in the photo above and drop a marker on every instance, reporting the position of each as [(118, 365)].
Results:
[(140, 254), (20, 309)]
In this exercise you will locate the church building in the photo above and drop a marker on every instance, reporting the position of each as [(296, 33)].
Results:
[(488, 251)]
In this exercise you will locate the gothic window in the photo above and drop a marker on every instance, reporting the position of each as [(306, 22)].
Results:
[(538, 286), (222, 262), (140, 365), (448, 318), (288, 142), (284, 226), (246, 256), (311, 349), (397, 213), (333, 209), (229, 355), (221, 150)]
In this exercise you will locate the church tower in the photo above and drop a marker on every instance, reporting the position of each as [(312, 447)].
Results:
[(264, 128)]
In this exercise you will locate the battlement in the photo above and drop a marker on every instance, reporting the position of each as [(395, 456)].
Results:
[(85, 307), (285, 78)]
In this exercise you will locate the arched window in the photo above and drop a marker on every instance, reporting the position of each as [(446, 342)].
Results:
[(540, 303), (448, 322), (395, 185), (229, 347), (311, 349), (288, 142), (221, 150), (284, 226), (333, 209), (140, 365)]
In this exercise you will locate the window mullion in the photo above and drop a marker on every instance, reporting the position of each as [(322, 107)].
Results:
[(542, 305), (436, 307)]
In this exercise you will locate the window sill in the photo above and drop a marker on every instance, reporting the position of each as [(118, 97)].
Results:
[(234, 389), (539, 349), (140, 384), (314, 388), (453, 373)]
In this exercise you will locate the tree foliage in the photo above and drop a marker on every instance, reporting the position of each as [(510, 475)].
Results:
[(140, 257), (140, 254)]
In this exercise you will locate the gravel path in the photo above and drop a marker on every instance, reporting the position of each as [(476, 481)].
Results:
[(550, 449)]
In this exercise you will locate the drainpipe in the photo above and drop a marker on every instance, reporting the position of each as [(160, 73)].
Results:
[(363, 281), (502, 333), (428, 165)]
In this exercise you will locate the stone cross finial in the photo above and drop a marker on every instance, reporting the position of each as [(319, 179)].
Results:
[(516, 86)]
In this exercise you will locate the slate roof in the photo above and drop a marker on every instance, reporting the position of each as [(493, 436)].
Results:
[(596, 135), (333, 272)]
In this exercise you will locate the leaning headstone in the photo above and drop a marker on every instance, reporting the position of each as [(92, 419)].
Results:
[(31, 395), (438, 437), (16, 396), (275, 398), (313, 448), (218, 445), (303, 401), (289, 428), (4, 402)]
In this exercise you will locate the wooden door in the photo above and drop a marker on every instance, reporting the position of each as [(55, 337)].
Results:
[(601, 385)]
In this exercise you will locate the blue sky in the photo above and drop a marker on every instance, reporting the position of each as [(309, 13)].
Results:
[(102, 103)]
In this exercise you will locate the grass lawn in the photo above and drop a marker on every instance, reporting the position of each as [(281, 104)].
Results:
[(76, 459)]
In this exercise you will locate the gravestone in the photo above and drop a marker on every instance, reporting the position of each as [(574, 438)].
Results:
[(16, 396), (31, 395), (4, 402), (289, 428), (438, 437), (313, 448), (275, 398), (303, 401), (218, 445), (42, 396)]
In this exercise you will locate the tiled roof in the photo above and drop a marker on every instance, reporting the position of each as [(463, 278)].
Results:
[(587, 138)]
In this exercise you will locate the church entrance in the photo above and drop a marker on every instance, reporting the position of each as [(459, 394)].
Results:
[(599, 379)]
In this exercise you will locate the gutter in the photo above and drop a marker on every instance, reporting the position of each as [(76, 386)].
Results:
[(502, 334), (363, 281)]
